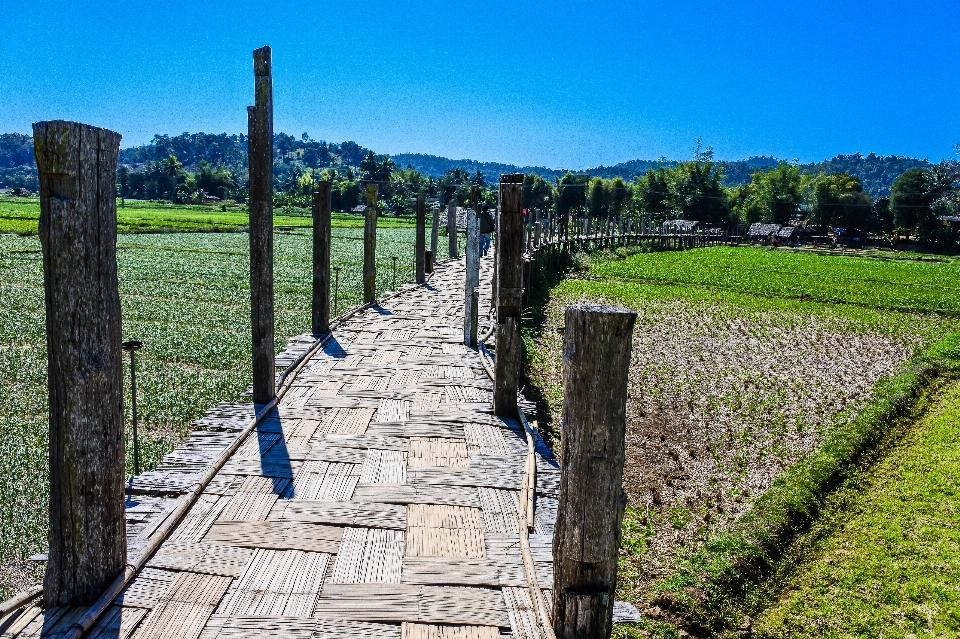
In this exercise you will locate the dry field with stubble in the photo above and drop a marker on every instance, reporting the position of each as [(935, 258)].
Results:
[(730, 386)]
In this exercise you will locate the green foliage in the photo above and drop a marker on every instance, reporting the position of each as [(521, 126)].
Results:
[(910, 199), (839, 201), (773, 195)]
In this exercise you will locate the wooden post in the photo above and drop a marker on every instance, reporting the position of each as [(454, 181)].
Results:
[(471, 314), (452, 229), (321, 258), (420, 247), (434, 235), (509, 291), (586, 540), (78, 235), (260, 153), (370, 246)]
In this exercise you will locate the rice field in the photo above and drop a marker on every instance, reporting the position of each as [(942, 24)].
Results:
[(187, 297), (742, 361)]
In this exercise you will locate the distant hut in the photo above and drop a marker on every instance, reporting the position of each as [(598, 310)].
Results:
[(763, 233), (359, 208), (681, 227)]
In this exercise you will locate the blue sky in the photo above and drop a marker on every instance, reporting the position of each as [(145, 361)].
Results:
[(559, 84)]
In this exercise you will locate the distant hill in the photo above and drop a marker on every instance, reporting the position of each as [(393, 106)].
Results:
[(17, 168)]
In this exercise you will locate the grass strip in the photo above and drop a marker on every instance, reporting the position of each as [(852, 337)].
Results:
[(708, 590)]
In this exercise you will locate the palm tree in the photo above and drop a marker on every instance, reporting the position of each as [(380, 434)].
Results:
[(171, 167)]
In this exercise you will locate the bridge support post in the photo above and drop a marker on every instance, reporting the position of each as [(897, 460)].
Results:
[(370, 246), (420, 247), (452, 249), (509, 290), (434, 237), (471, 314), (596, 362), (260, 152), (78, 235), (321, 258)]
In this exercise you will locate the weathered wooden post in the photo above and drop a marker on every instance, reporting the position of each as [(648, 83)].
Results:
[(471, 314), (420, 245), (452, 229), (260, 163), (596, 363), (78, 235), (370, 246), (434, 237), (321, 258), (509, 290)]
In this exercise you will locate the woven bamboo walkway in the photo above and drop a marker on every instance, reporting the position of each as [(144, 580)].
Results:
[(380, 499)]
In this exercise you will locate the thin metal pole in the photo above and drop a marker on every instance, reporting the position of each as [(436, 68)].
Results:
[(336, 291), (133, 392)]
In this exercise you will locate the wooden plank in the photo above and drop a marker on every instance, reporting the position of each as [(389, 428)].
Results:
[(277, 535)]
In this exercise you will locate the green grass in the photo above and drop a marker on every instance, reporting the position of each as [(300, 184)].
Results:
[(931, 285), (186, 296), (891, 565), (21, 216)]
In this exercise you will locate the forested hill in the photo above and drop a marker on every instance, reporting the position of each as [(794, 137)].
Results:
[(17, 167)]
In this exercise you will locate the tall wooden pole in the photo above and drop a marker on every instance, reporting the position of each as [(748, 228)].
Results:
[(471, 314), (435, 232), (420, 246), (321, 258), (78, 235), (260, 153), (370, 246), (452, 248), (586, 540), (509, 289)]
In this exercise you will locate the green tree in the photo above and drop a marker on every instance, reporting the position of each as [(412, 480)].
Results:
[(910, 198), (839, 200), (652, 193), (571, 193), (537, 192), (697, 192), (597, 199), (172, 168)]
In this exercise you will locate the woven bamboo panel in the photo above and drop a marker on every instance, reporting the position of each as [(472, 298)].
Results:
[(444, 531), (419, 428), (184, 610), (402, 494), (438, 451), (393, 410), (279, 583), (447, 571), (369, 555), (362, 383), (432, 631), (271, 466), (404, 379), (145, 591), (224, 485), (346, 420), (439, 476), (485, 439), (459, 394), (280, 535), (370, 514), (369, 602), (321, 451), (424, 402), (384, 356), (361, 441), (499, 510), (117, 623), (523, 620), (213, 559), (248, 506), (201, 516), (384, 467), (463, 605), (325, 480)]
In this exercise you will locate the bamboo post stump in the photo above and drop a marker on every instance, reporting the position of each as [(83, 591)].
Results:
[(370, 246), (77, 166), (420, 247), (453, 251), (321, 258), (434, 234), (509, 291), (260, 151), (596, 363)]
